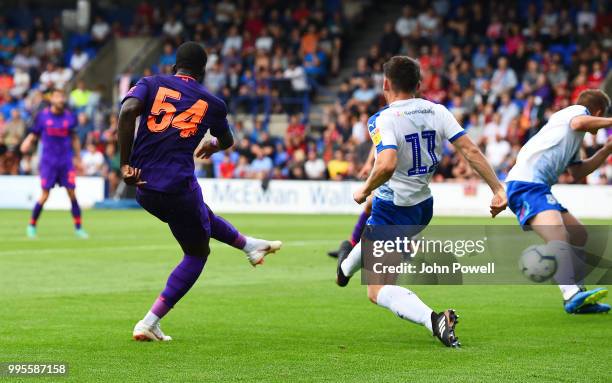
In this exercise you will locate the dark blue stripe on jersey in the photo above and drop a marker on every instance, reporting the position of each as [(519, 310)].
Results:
[(453, 138), (380, 148)]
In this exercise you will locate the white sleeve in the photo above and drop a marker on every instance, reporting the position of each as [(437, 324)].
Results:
[(447, 124), (382, 133)]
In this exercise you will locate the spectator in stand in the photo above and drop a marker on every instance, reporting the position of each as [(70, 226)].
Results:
[(80, 96), (504, 78), (338, 168), (407, 25), (261, 166), (84, 128), (168, 57), (173, 27), (314, 167), (215, 78), (100, 31), (21, 82), (92, 161), (227, 167), (13, 131), (79, 59)]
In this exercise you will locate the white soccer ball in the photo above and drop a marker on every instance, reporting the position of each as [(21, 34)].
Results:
[(537, 263)]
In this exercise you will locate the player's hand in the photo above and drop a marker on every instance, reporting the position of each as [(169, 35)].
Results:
[(207, 148), (365, 171), (360, 195), (499, 203), (76, 161), (131, 176)]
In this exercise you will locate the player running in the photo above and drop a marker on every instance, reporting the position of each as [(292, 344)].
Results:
[(555, 148), (61, 149), (408, 138), (175, 112)]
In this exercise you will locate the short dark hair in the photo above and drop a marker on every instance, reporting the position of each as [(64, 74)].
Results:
[(191, 57), (403, 72), (594, 100)]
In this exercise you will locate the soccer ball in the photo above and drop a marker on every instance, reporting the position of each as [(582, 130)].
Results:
[(537, 263)]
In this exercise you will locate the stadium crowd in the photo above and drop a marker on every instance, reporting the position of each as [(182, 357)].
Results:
[(500, 76)]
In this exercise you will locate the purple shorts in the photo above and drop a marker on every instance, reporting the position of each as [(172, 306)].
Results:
[(62, 175), (185, 213)]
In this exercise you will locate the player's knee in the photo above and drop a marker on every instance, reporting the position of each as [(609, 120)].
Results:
[(43, 197), (578, 235)]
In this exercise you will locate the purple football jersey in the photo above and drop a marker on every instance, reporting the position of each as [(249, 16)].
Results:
[(55, 132), (177, 113)]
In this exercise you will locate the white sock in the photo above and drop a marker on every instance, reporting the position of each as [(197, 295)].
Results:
[(405, 304), (150, 319), (565, 267), (252, 244), (352, 263)]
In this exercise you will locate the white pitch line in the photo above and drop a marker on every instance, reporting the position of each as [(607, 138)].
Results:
[(142, 247)]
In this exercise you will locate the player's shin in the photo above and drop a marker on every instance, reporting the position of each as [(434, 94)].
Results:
[(36, 213), (179, 283), (565, 275), (359, 226), (75, 210), (352, 263), (405, 304)]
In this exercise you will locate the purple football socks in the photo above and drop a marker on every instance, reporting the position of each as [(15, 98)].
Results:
[(223, 231), (36, 213), (180, 281), (76, 214), (358, 229)]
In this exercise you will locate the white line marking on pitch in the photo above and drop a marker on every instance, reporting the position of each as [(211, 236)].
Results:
[(143, 247)]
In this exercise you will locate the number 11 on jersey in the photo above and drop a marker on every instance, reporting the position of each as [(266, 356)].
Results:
[(417, 168)]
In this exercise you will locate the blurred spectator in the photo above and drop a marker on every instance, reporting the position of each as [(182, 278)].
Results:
[(92, 161), (80, 96), (79, 59), (100, 30), (314, 167), (338, 167)]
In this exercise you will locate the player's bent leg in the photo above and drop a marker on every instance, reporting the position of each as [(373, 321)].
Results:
[(75, 210), (255, 249), (550, 225), (36, 211)]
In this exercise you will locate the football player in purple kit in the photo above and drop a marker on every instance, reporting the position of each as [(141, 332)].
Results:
[(61, 149), (175, 112)]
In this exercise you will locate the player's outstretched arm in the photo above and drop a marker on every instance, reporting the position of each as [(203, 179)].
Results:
[(588, 166), (590, 123), (383, 169), (479, 162), (130, 110)]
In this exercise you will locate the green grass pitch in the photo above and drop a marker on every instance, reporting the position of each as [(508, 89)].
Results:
[(75, 301)]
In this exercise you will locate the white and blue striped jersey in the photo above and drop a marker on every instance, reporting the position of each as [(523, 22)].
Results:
[(416, 128), (547, 154)]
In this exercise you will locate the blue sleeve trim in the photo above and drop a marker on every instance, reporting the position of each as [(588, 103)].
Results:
[(453, 138), (575, 163), (380, 148)]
